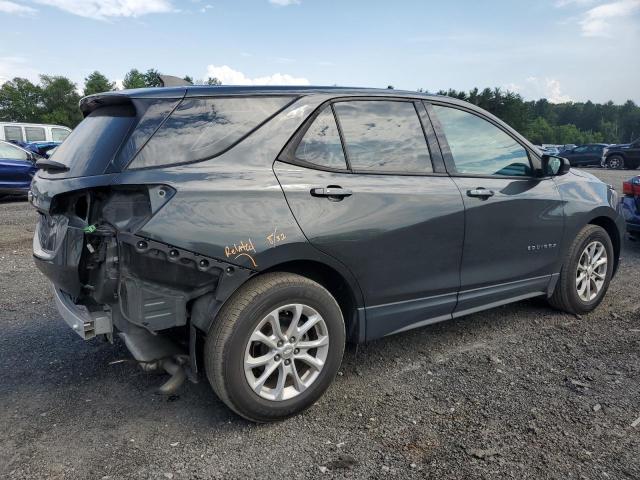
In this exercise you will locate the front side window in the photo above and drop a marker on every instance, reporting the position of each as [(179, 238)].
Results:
[(59, 134), (12, 153), (321, 143), (200, 128), (35, 134), (13, 134), (383, 136), (479, 147)]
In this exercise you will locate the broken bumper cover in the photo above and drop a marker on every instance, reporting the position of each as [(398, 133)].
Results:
[(85, 323)]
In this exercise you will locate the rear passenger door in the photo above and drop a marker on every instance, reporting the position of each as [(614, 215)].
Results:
[(359, 177), (514, 219)]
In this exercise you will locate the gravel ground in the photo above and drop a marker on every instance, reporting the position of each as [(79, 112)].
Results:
[(516, 392)]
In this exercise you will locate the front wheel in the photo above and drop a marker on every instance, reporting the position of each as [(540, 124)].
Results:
[(275, 346), (586, 272)]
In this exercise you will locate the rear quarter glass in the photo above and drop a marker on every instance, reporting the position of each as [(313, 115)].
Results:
[(201, 128)]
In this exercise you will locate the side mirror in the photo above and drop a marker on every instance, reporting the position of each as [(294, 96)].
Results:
[(555, 166)]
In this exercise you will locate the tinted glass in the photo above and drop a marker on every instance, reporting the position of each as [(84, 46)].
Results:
[(13, 133), (35, 134), (59, 134), (580, 149), (11, 152), (153, 113), (479, 147), (321, 143), (203, 127), (93, 144), (383, 136)]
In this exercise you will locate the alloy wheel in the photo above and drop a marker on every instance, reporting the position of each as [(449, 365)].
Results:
[(591, 271), (286, 352), (615, 163)]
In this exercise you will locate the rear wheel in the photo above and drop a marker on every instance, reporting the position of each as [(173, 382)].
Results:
[(275, 347), (615, 162), (586, 272)]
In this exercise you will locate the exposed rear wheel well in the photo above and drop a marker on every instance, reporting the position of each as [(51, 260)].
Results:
[(611, 228), (334, 282)]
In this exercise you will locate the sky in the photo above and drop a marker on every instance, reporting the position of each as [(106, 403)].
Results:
[(562, 50)]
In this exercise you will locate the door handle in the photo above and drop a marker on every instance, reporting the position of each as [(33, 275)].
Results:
[(331, 192), (481, 193)]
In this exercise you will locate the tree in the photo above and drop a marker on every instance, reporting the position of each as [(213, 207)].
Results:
[(96, 82), (134, 79), (213, 81), (20, 101), (60, 101), (187, 78), (152, 78)]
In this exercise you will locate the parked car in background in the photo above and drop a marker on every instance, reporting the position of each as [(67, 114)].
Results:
[(568, 146), (625, 155), (249, 232), (630, 203), (32, 132), (583, 155), (43, 149), (17, 168), (551, 149)]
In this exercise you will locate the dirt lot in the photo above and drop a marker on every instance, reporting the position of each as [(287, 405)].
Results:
[(517, 392)]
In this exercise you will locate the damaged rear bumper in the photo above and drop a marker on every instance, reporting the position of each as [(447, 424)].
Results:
[(108, 280), (85, 323)]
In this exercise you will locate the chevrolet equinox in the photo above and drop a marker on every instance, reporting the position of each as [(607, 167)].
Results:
[(248, 233)]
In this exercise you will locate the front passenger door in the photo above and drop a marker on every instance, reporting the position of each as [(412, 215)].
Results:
[(513, 219)]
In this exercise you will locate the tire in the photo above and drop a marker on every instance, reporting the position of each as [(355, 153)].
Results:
[(231, 340), (566, 296), (615, 162)]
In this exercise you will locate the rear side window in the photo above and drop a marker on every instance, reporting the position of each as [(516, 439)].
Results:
[(200, 128), (35, 134), (479, 147), (59, 134), (321, 143), (13, 133), (383, 136)]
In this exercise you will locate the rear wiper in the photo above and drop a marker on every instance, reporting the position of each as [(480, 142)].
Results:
[(48, 164)]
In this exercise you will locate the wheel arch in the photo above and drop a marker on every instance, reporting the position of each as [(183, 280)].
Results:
[(346, 294), (338, 281)]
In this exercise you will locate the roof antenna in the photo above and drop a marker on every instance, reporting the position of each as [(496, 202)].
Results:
[(171, 81)]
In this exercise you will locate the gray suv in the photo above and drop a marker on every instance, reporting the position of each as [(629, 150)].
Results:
[(248, 233)]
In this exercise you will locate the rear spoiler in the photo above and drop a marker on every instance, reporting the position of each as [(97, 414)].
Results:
[(124, 97)]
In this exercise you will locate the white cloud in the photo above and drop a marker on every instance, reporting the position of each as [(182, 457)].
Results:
[(596, 21), (284, 3), (229, 76), (564, 3), (103, 9), (534, 88), (16, 8)]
